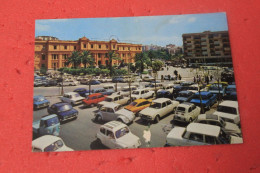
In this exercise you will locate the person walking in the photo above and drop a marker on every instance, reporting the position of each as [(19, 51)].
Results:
[(179, 76), (194, 79), (169, 77)]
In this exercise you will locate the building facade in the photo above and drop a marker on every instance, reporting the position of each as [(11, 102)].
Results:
[(207, 48), (52, 53)]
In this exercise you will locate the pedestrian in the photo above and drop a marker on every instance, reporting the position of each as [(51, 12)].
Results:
[(167, 68), (161, 78), (194, 79), (211, 77), (199, 78), (176, 72), (169, 77), (207, 80), (179, 76)]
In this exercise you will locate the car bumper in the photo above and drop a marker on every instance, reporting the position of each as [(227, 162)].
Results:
[(179, 118), (146, 117)]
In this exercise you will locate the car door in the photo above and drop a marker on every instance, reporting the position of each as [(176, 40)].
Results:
[(110, 114), (195, 139), (164, 109), (190, 113), (111, 140)]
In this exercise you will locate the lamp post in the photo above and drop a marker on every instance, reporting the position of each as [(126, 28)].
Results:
[(62, 91)]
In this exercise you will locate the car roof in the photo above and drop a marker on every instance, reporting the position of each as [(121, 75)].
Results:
[(203, 93), (97, 89), (80, 89), (162, 91), (186, 92), (44, 141), (60, 104), (140, 100), (70, 93), (229, 103), (114, 125), (38, 96), (95, 94), (110, 105), (204, 129), (185, 104), (208, 117), (161, 100), (231, 86)]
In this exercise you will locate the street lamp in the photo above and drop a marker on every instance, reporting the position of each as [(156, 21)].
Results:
[(62, 91)]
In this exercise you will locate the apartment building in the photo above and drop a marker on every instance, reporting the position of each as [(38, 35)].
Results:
[(207, 48), (52, 53)]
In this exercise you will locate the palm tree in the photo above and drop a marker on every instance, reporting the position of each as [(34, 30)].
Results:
[(74, 59), (140, 61), (86, 58), (112, 55)]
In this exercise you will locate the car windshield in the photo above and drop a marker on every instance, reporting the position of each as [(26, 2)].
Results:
[(224, 138), (54, 146), (125, 89), (156, 105), (133, 104), (180, 109), (117, 108), (107, 99), (39, 99), (135, 92), (227, 109), (52, 121), (122, 132), (65, 108)]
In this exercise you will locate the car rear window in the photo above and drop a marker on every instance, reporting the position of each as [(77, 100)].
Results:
[(226, 109), (54, 146), (52, 121)]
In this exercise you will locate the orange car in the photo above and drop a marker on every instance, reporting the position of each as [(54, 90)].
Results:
[(138, 105)]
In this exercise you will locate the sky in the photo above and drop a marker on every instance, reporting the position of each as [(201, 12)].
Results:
[(156, 30)]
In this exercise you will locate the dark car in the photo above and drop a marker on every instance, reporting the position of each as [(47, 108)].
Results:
[(207, 99), (50, 83), (176, 90), (164, 94), (93, 82), (117, 79), (81, 91), (84, 81), (40, 101), (64, 111), (184, 96), (97, 90)]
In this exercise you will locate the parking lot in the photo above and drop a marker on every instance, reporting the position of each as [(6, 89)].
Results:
[(80, 134)]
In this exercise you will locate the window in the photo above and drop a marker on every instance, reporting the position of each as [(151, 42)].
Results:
[(107, 46), (102, 130), (65, 47), (43, 65), (190, 109), (116, 98), (85, 46), (106, 55), (99, 46), (169, 102), (54, 47), (75, 47), (43, 57), (128, 48), (196, 137), (54, 56), (92, 46), (110, 134), (142, 92), (164, 105), (121, 97), (99, 55), (210, 139), (95, 97), (110, 110), (100, 96), (123, 55), (114, 46)]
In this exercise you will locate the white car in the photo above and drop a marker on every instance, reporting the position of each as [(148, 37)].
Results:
[(227, 127), (142, 94), (67, 83), (152, 87), (195, 88), (72, 98), (116, 135), (167, 87), (228, 110), (49, 143), (159, 108), (114, 111), (199, 134), (148, 78), (116, 99), (125, 90), (186, 112), (109, 86)]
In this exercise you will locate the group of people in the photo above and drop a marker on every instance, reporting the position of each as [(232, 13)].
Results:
[(177, 76), (205, 79)]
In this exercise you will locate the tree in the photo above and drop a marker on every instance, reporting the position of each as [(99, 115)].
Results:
[(140, 61), (86, 58), (112, 55), (156, 65), (74, 59)]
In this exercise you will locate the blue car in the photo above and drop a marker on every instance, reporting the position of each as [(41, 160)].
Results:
[(184, 96), (208, 99), (117, 79), (164, 94), (218, 89), (81, 91), (64, 111), (40, 101), (94, 82)]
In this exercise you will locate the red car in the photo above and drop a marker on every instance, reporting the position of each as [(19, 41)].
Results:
[(93, 99)]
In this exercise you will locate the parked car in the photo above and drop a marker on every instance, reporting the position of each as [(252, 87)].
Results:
[(152, 87), (109, 86), (148, 78), (167, 87), (142, 94), (47, 125), (225, 84), (116, 99), (116, 135), (137, 105), (84, 81), (81, 91), (108, 92), (93, 99), (37, 83), (186, 112), (40, 101), (125, 90), (159, 108), (72, 98), (117, 80), (176, 90), (49, 143), (164, 94), (230, 93), (64, 111), (199, 134), (208, 99), (184, 96), (227, 127), (228, 110), (67, 83), (93, 82), (114, 111), (195, 88), (51, 82), (217, 89), (97, 90)]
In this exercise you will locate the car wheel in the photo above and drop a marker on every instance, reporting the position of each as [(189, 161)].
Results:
[(98, 118), (92, 105), (157, 119)]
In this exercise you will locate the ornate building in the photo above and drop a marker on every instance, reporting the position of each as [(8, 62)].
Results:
[(52, 53)]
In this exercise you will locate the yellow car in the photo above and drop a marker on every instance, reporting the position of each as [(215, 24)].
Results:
[(225, 84), (138, 105)]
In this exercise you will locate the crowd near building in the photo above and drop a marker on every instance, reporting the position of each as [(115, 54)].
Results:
[(52, 53), (207, 48)]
